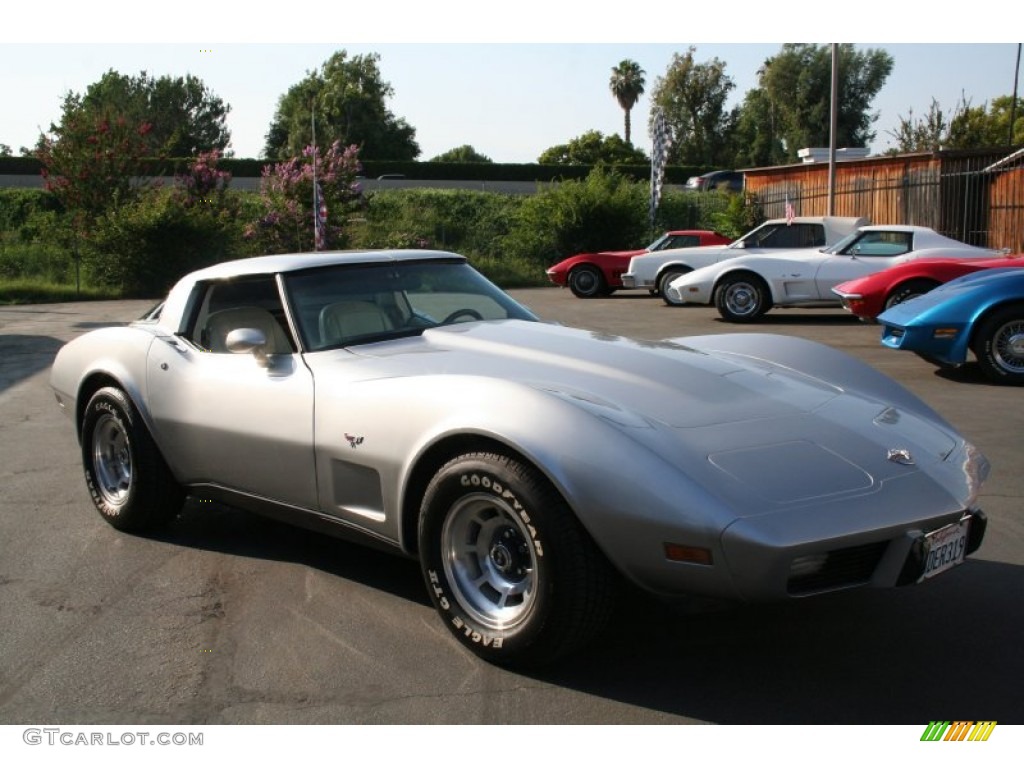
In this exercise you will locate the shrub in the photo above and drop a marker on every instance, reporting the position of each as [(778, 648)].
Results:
[(605, 211), (285, 219), (144, 246), (465, 221)]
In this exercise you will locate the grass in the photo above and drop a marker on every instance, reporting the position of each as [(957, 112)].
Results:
[(29, 290)]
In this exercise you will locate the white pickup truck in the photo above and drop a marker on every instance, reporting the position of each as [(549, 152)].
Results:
[(656, 270)]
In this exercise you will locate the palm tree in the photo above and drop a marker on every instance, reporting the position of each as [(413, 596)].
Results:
[(627, 84)]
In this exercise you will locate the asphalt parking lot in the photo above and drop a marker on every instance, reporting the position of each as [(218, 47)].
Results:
[(231, 618)]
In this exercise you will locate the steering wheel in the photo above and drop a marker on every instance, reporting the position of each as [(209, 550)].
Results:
[(470, 313)]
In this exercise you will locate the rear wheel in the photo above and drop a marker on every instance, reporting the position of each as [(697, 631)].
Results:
[(511, 571), (128, 480), (909, 290), (663, 282), (742, 298), (587, 282), (998, 344)]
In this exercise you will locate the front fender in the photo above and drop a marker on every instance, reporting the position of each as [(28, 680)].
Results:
[(117, 354), (606, 462)]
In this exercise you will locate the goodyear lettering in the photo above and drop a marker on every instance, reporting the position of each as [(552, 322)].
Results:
[(438, 592), (474, 636)]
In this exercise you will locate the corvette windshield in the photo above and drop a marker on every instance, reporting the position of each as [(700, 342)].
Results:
[(342, 305)]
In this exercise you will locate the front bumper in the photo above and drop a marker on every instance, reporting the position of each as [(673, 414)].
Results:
[(629, 280), (558, 278), (698, 293), (946, 345)]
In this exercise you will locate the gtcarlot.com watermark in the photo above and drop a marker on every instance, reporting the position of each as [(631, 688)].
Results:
[(70, 738)]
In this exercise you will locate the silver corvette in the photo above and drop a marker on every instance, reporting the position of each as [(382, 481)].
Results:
[(400, 398)]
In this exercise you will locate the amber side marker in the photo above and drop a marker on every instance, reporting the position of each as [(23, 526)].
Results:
[(683, 553)]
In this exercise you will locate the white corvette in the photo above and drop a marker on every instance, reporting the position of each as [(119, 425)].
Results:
[(657, 269), (745, 288)]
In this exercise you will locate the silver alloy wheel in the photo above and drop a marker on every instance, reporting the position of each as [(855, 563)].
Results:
[(489, 560), (1008, 346), (741, 298), (112, 460)]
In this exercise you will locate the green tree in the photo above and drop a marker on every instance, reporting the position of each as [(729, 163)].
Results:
[(593, 148), (757, 135), (988, 125), (966, 127), (463, 154), (92, 161), (627, 86), (797, 92), (924, 134), (349, 98), (692, 97), (186, 117), (5, 150)]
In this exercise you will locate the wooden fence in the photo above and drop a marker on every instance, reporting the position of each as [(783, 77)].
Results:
[(975, 197)]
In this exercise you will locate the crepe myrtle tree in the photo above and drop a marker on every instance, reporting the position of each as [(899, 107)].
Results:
[(285, 222), (92, 163)]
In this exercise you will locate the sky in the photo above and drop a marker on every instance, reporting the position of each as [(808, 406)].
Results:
[(509, 80)]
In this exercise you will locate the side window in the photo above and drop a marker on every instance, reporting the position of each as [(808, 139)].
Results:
[(684, 241), (882, 244), (792, 236), (230, 305)]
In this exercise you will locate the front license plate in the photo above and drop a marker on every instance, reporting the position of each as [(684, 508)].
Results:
[(945, 548)]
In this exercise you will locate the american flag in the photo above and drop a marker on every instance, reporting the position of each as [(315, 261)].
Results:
[(661, 136), (790, 215), (319, 217)]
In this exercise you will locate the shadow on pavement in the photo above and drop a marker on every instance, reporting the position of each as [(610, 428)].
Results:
[(24, 356)]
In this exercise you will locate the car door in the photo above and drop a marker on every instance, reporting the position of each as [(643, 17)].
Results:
[(236, 420)]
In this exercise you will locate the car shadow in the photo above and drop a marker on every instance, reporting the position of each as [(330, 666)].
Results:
[(217, 527), (787, 319), (945, 649), (948, 649), (968, 373)]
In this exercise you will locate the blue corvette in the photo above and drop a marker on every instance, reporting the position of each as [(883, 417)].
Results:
[(982, 313)]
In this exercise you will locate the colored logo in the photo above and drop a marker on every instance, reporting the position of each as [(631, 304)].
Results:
[(958, 730)]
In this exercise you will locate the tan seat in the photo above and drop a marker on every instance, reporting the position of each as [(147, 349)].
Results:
[(220, 324), (343, 321)]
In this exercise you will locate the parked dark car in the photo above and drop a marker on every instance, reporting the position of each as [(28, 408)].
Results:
[(729, 181)]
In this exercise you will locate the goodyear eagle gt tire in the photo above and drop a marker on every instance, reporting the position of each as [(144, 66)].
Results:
[(129, 482), (510, 570)]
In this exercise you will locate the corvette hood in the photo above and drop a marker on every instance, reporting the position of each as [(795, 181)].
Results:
[(659, 381)]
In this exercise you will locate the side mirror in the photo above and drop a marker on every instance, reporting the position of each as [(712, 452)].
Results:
[(248, 340)]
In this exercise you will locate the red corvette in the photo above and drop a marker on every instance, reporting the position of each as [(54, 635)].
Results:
[(869, 296), (598, 274)]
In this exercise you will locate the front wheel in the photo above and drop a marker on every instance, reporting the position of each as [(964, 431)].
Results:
[(587, 282), (998, 344), (130, 484), (908, 291), (742, 298), (663, 283), (510, 570)]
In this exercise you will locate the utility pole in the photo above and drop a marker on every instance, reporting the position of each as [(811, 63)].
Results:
[(833, 130)]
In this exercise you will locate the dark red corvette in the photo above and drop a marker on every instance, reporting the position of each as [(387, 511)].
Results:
[(598, 274), (869, 296)]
